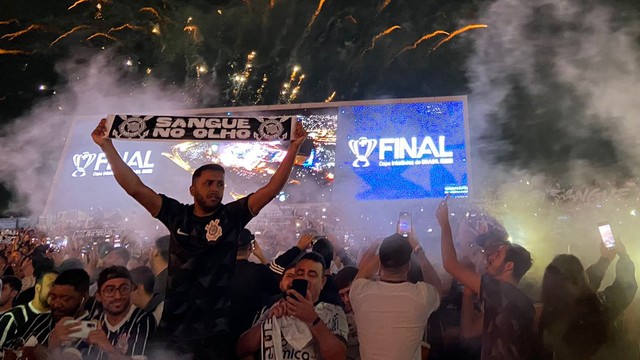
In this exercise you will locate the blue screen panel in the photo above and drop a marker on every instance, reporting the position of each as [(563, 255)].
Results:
[(401, 151)]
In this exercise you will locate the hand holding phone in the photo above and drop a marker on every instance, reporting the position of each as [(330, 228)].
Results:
[(85, 328), (300, 286), (606, 234), (404, 223)]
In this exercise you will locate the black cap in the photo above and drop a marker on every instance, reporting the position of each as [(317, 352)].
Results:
[(492, 240), (113, 272), (245, 237), (395, 251)]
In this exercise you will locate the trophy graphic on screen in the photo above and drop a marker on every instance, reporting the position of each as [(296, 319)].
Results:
[(82, 162), (362, 148)]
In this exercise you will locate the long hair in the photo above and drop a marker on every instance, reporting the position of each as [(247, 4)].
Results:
[(573, 322)]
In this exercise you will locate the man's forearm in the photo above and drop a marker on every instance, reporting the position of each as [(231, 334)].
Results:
[(265, 194), (368, 266), (280, 177), (124, 175), (449, 256), (250, 341), (429, 274), (451, 264), (595, 273), (329, 345), (262, 258), (470, 321)]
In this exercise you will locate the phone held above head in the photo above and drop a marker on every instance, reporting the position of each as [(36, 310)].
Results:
[(404, 223), (606, 234)]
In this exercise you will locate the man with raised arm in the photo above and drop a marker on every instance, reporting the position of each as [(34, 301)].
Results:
[(508, 313), (202, 247), (391, 313)]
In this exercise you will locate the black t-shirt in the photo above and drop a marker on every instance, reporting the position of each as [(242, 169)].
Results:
[(330, 293), (508, 321), (201, 265), (252, 286), (25, 296), (445, 318)]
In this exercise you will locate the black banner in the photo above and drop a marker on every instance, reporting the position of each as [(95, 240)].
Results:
[(228, 128)]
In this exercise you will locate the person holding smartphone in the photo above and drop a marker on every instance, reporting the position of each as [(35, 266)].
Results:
[(300, 326), (508, 320), (577, 321), (391, 313)]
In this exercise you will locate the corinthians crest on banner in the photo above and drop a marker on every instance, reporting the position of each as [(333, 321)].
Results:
[(231, 128)]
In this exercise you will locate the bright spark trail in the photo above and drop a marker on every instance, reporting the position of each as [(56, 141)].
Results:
[(315, 15), (101, 35), (68, 33), (32, 27), (381, 34), (458, 32), (77, 3)]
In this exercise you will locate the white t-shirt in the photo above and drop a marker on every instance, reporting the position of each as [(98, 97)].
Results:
[(391, 317), (331, 315)]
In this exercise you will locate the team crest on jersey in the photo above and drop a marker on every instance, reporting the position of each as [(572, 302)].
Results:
[(123, 343), (213, 230)]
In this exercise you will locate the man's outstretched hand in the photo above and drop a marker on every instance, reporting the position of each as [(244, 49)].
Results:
[(299, 135), (442, 213), (100, 135)]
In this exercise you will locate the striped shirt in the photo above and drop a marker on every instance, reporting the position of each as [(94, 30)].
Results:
[(129, 336), (41, 332), (15, 323)]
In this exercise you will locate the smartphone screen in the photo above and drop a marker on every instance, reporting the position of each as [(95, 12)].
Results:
[(607, 235), (404, 223), (300, 286)]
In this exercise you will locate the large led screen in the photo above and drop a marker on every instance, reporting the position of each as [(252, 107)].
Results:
[(357, 151), (402, 151)]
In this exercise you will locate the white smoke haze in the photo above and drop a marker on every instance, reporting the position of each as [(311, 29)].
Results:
[(32, 145), (597, 57)]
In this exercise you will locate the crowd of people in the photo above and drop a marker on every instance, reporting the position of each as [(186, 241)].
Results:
[(207, 291)]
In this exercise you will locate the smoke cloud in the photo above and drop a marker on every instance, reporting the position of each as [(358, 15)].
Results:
[(553, 97), (95, 86)]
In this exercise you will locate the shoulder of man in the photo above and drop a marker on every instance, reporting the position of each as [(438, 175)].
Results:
[(140, 315), (9, 323), (239, 206), (20, 314), (9, 317), (170, 208), (359, 286), (334, 318)]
